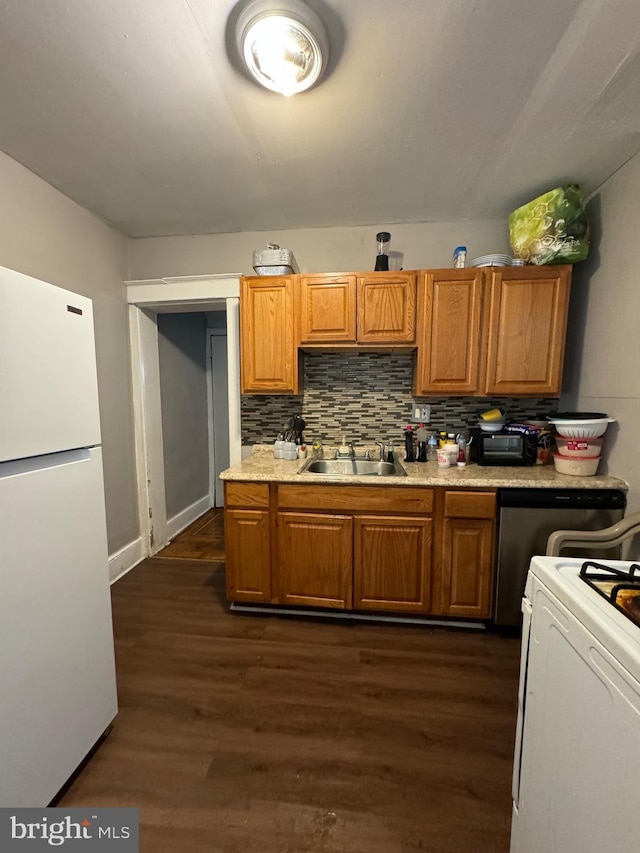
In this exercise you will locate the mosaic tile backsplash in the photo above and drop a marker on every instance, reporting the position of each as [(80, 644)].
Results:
[(367, 397)]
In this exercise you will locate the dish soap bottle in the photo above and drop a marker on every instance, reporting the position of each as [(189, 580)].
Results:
[(390, 451), (408, 444), (421, 435)]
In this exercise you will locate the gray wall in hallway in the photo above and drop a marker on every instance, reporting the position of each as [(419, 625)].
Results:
[(182, 350)]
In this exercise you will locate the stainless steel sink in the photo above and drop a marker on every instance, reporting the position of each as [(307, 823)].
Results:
[(352, 467)]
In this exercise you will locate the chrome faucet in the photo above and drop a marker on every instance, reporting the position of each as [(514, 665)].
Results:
[(349, 453), (383, 451)]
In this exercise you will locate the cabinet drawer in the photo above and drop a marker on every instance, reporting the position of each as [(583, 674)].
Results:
[(394, 499), (247, 494), (470, 504)]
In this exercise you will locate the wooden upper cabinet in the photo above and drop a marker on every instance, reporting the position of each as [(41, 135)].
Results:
[(526, 328), (269, 358), (327, 309), (449, 332), (386, 304)]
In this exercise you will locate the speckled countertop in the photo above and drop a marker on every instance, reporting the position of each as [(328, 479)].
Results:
[(261, 467)]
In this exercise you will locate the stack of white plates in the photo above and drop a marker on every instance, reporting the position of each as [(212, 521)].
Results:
[(491, 261)]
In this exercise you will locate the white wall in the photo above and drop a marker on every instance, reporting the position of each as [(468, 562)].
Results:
[(603, 344), (417, 246), (46, 235)]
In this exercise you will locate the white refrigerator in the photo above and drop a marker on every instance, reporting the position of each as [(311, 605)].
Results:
[(57, 671)]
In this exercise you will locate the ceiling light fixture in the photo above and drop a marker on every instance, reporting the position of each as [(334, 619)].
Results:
[(283, 43)]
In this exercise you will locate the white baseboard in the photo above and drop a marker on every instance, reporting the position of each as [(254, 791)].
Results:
[(125, 559), (184, 518)]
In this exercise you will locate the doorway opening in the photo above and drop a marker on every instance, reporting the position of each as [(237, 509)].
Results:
[(174, 493)]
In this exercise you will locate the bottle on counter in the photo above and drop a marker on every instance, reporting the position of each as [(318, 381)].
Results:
[(290, 450), (408, 444), (432, 448), (278, 447), (442, 437), (451, 447), (421, 436), (461, 460), (390, 450)]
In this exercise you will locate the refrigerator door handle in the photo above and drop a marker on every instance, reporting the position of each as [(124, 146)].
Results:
[(48, 460), (527, 611)]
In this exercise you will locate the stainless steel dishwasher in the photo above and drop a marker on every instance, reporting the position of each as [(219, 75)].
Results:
[(527, 517)]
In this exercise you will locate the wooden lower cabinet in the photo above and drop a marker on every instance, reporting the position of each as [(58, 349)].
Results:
[(315, 559), (467, 567), (392, 564), (353, 548), (247, 563)]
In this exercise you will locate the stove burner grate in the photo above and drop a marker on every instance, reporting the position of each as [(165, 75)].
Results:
[(620, 586)]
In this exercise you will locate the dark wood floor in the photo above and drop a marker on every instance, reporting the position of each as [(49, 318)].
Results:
[(249, 734), (201, 540)]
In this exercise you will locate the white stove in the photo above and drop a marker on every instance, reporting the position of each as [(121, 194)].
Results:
[(576, 779)]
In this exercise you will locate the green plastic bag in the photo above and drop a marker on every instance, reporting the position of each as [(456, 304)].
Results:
[(551, 229)]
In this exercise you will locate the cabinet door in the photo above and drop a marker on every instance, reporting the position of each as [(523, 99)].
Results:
[(467, 567), (316, 559), (387, 308), (327, 308), (248, 567), (449, 332), (526, 330), (392, 564), (269, 360)]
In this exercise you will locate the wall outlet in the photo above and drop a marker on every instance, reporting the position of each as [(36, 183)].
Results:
[(421, 414)]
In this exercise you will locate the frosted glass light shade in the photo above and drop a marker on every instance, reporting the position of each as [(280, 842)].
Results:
[(283, 44)]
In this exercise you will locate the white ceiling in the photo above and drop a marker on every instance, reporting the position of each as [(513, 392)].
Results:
[(432, 110)]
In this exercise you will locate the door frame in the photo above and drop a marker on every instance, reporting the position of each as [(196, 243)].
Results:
[(195, 293), (216, 493)]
